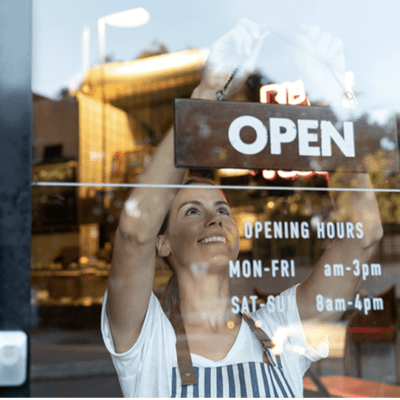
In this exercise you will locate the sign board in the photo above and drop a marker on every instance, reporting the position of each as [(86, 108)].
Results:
[(218, 134)]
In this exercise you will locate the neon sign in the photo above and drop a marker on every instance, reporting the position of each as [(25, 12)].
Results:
[(286, 93)]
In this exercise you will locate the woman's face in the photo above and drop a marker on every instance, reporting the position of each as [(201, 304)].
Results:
[(201, 232)]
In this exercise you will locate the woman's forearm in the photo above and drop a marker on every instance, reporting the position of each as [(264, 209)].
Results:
[(147, 206), (357, 206)]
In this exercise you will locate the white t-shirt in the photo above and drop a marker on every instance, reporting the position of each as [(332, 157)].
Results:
[(150, 367)]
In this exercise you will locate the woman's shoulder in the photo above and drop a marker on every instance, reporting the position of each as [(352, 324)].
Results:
[(156, 324), (280, 310)]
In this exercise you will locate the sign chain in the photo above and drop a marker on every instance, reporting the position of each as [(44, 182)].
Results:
[(221, 94)]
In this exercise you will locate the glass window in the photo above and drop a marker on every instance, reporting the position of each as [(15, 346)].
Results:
[(247, 234)]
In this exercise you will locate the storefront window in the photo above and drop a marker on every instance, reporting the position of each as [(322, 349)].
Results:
[(229, 174)]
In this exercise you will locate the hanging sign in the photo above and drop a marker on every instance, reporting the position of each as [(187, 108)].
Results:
[(219, 134)]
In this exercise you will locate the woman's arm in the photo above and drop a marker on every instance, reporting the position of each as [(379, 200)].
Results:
[(321, 60), (354, 207), (132, 269)]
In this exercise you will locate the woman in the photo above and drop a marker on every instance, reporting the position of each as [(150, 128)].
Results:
[(193, 231)]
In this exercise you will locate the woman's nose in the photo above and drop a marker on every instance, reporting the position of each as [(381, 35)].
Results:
[(214, 220)]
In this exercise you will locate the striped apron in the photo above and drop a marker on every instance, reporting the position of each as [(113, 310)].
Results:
[(249, 379)]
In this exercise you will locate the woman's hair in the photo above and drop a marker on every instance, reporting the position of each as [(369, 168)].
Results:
[(171, 295)]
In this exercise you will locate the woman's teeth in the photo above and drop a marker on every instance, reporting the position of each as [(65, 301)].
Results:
[(214, 239)]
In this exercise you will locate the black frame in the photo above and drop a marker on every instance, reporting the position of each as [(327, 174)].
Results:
[(15, 173)]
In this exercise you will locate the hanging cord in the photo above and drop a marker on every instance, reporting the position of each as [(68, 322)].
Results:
[(347, 94), (221, 94)]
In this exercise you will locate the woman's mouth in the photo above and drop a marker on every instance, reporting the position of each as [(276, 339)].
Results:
[(213, 239)]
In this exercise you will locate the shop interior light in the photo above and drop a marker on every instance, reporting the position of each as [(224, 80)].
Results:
[(269, 174), (233, 172)]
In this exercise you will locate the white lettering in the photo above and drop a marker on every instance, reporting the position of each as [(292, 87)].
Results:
[(275, 267), (257, 268), (341, 230), (237, 269), (286, 230), (284, 130), (277, 136), (234, 269), (305, 137), (253, 299), (285, 268), (248, 230), (294, 230), (246, 267), (267, 228), (305, 230), (277, 230), (349, 229), (301, 230), (330, 230), (271, 303), (360, 233), (236, 305), (345, 144), (245, 305), (237, 142), (321, 230), (257, 228)]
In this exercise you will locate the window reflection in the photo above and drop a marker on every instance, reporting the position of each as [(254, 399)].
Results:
[(95, 140)]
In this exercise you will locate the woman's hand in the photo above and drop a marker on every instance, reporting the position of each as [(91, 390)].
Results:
[(320, 59), (239, 49)]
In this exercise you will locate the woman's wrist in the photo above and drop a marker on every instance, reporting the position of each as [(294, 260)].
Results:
[(203, 93)]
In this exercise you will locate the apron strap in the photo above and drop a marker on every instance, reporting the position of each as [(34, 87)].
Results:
[(185, 364), (264, 340)]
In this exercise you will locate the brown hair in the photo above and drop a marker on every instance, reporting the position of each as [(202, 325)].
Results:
[(171, 295)]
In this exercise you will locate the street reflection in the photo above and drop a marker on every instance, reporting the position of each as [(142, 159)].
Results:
[(89, 149)]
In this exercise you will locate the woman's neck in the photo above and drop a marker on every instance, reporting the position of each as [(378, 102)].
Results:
[(205, 299)]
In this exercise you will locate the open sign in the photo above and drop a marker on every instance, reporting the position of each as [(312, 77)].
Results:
[(214, 134), (284, 130)]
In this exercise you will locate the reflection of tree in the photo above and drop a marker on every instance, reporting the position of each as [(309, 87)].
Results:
[(379, 167), (389, 203), (156, 49)]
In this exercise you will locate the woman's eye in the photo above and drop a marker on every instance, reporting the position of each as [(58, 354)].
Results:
[(223, 211), (192, 211)]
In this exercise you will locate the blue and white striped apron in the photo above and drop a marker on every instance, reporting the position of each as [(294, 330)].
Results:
[(249, 379)]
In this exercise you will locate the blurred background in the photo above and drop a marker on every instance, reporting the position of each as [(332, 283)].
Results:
[(105, 76)]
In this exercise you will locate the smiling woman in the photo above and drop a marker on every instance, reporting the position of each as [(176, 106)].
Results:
[(191, 213), (196, 345)]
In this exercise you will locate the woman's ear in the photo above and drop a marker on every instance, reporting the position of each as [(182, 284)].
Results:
[(162, 245)]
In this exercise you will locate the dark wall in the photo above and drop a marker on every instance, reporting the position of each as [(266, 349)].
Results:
[(15, 162)]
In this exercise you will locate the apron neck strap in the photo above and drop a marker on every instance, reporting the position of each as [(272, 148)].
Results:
[(185, 364)]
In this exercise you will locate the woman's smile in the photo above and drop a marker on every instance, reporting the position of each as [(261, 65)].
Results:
[(214, 240), (201, 228)]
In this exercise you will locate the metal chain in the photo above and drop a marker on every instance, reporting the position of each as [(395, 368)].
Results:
[(221, 94), (348, 94)]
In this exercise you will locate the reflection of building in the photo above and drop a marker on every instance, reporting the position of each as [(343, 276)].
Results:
[(105, 133), (55, 151), (121, 112)]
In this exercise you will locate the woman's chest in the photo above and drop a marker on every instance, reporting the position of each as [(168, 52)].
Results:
[(214, 346)]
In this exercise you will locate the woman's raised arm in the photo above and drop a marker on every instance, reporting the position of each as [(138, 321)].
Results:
[(360, 209), (133, 264), (320, 58)]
